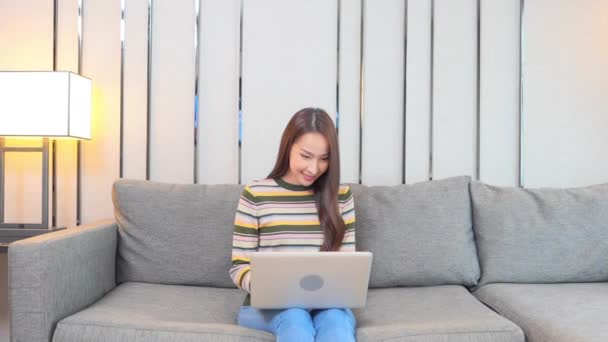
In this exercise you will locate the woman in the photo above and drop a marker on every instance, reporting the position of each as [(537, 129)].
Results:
[(300, 206)]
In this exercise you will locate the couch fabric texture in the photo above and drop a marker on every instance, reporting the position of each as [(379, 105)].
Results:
[(173, 233), (55, 275), (431, 313), (154, 312), (536, 259), (420, 234), (541, 235), (552, 312)]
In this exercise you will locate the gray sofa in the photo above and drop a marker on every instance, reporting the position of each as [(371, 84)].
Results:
[(454, 260)]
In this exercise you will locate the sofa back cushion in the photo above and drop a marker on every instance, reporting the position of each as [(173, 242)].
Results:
[(174, 234), (420, 234), (541, 235)]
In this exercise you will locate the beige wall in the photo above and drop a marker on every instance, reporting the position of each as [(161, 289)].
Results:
[(406, 89)]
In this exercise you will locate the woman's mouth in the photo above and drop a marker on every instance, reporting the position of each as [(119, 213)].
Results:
[(308, 178)]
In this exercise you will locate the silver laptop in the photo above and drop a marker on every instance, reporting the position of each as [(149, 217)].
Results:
[(311, 280)]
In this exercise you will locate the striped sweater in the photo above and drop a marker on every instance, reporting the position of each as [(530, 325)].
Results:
[(273, 215)]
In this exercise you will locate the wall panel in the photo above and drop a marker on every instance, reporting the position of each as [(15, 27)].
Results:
[(26, 35), (66, 150), (100, 156), (418, 92), (172, 92), (499, 100), (219, 92), (26, 38), (349, 82), (455, 88), (135, 78), (383, 72), (289, 62), (565, 85)]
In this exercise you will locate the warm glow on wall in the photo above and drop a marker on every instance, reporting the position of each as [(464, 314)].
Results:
[(45, 104)]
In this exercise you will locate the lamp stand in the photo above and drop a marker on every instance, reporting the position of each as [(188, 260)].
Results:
[(10, 232)]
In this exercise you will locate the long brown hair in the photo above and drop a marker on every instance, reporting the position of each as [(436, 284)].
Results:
[(310, 120)]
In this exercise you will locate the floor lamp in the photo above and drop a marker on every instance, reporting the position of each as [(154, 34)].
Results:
[(39, 104)]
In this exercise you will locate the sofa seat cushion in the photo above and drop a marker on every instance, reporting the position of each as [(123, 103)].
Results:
[(437, 313), (552, 312), (137, 312)]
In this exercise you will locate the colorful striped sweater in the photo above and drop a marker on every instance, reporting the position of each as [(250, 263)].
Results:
[(273, 215)]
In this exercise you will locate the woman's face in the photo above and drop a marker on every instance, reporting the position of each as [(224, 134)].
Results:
[(308, 159)]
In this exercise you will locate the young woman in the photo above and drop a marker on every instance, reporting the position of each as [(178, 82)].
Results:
[(300, 206)]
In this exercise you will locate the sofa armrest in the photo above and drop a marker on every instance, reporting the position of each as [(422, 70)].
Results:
[(54, 275)]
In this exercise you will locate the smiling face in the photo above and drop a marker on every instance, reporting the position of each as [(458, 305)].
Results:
[(308, 159)]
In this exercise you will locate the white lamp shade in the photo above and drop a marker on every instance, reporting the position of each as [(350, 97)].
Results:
[(45, 104)]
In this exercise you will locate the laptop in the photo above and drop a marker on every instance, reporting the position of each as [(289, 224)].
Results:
[(310, 280)]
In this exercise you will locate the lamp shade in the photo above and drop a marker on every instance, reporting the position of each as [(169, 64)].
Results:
[(45, 104)]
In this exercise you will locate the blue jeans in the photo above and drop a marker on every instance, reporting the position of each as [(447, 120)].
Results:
[(289, 325)]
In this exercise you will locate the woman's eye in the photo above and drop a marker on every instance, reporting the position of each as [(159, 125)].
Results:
[(305, 157)]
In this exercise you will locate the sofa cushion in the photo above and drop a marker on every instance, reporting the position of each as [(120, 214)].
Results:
[(151, 312), (420, 234), (438, 313), (145, 312), (174, 234), (541, 235), (552, 312)]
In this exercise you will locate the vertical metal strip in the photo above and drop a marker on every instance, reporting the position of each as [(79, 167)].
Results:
[(80, 18), (55, 29), (521, 93), (54, 184), (478, 115), (78, 144), (339, 4), (196, 72), (68, 102), (45, 182), (361, 92), (122, 86), (2, 189), (240, 104), (149, 89), (432, 90), (54, 143), (404, 131)]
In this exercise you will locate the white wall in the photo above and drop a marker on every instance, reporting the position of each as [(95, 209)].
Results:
[(401, 76), (499, 93), (25, 45), (565, 93), (289, 61)]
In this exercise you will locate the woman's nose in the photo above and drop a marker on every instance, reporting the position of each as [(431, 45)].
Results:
[(313, 168)]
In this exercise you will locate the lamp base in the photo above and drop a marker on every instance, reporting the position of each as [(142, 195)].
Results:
[(8, 235)]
